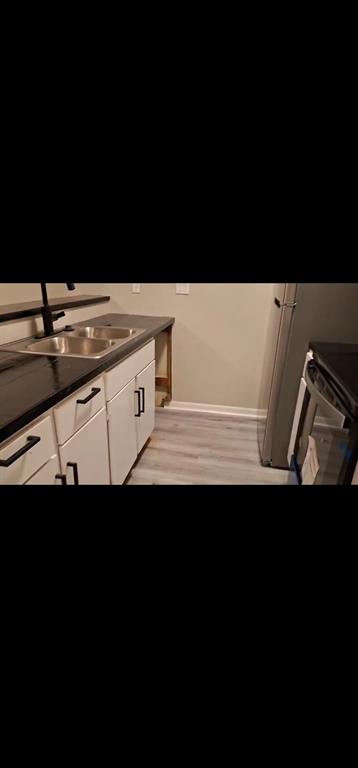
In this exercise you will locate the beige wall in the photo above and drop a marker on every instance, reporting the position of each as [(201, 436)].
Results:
[(219, 336), (13, 292), (220, 333)]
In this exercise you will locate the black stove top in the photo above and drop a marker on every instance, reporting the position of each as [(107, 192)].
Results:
[(340, 361)]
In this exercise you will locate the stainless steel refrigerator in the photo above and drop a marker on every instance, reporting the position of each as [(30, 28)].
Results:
[(300, 313)]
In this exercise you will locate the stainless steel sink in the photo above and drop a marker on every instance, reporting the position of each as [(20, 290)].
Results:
[(82, 341), (105, 332), (70, 346)]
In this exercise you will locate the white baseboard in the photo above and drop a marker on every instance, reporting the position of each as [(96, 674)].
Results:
[(220, 410)]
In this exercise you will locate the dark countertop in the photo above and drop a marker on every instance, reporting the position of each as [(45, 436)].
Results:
[(33, 308), (340, 361), (32, 384)]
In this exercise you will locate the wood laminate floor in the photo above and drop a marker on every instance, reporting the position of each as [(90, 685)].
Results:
[(202, 449)]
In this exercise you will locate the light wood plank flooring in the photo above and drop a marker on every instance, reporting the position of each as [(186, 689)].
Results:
[(202, 449)]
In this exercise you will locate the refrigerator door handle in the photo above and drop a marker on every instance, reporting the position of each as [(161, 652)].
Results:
[(289, 306)]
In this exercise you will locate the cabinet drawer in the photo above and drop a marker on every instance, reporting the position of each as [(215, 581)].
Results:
[(47, 475), (30, 462), (71, 415), (122, 374)]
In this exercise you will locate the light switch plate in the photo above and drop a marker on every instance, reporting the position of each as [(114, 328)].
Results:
[(135, 287), (183, 288)]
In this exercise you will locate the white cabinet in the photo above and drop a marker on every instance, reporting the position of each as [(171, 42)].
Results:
[(75, 443), (122, 433), (84, 458), (130, 391), (119, 376), (47, 475), (26, 453), (131, 416), (145, 387), (74, 412)]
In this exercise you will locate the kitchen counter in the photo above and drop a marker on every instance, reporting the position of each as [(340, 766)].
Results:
[(32, 384)]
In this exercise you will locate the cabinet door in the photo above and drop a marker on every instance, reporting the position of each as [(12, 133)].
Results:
[(47, 475), (122, 433), (87, 450), (145, 385)]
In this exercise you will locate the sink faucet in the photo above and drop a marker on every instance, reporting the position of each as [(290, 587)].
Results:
[(48, 317)]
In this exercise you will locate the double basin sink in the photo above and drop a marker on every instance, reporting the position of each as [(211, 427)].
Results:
[(82, 341)]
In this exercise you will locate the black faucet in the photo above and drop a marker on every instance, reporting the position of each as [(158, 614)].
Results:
[(48, 316)]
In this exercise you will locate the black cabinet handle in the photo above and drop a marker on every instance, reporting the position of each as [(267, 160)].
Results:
[(93, 394), (63, 479), (141, 389), (136, 392), (75, 471), (30, 442)]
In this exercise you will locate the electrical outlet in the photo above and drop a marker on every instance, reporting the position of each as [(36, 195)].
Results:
[(183, 288), (135, 287)]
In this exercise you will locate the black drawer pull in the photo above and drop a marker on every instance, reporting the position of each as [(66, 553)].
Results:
[(93, 394), (141, 389), (30, 442), (63, 479), (136, 392), (75, 471)]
